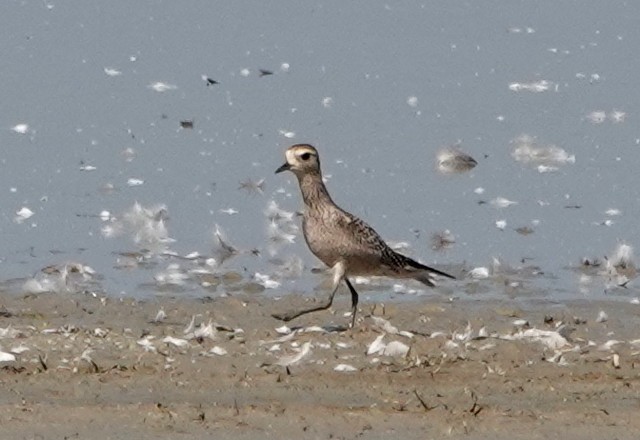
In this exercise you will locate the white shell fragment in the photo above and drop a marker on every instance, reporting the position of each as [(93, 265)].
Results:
[(218, 351), (602, 316), (396, 349), (288, 360), (345, 368), (479, 273), (175, 341), (377, 346)]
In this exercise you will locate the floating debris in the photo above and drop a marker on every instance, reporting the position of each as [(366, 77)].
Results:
[(110, 71), (535, 86), (453, 160), (266, 281), (527, 150), (501, 202), (20, 128), (162, 87), (327, 102), (224, 250), (209, 81), (412, 101), (252, 187), (173, 275), (23, 214), (442, 240), (64, 278), (186, 124), (479, 273)]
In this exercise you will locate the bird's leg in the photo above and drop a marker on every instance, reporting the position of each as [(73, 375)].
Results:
[(338, 275), (354, 301)]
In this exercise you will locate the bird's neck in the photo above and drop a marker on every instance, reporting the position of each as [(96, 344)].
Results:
[(314, 193)]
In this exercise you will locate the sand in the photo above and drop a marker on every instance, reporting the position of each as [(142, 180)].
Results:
[(88, 367)]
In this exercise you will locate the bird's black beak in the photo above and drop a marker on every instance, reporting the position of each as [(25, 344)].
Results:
[(284, 167)]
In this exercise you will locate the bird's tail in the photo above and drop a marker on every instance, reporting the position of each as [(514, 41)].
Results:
[(423, 273)]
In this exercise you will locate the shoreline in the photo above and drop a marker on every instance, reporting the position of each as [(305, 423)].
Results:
[(102, 368)]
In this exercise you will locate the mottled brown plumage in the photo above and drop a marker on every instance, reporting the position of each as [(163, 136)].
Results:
[(341, 240)]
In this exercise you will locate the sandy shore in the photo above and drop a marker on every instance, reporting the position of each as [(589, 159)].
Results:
[(88, 367)]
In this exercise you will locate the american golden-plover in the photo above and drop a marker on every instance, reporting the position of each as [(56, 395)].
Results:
[(341, 240)]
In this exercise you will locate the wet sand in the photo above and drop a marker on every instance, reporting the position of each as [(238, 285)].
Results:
[(88, 367)]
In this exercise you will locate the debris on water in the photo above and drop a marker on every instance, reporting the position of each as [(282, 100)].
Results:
[(528, 151), (327, 102), (20, 128), (110, 71), (187, 124), (622, 257), (501, 224), (146, 225), (173, 275), (597, 116), (453, 160), (160, 86), (266, 281), (253, 187), (23, 214), (68, 277), (224, 250), (547, 169), (502, 202), (479, 273), (442, 240), (209, 81), (524, 230), (288, 134), (133, 181), (535, 86)]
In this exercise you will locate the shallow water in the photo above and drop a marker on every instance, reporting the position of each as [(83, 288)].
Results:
[(379, 90)]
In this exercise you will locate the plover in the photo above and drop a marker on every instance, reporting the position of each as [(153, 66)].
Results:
[(342, 241)]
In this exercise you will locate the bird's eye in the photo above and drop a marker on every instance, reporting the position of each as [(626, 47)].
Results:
[(305, 156)]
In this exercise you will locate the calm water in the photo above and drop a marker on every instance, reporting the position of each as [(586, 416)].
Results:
[(378, 88)]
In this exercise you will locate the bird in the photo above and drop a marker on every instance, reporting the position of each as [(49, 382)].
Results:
[(342, 241)]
